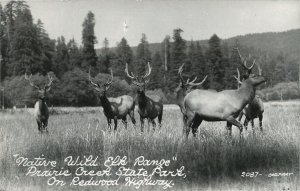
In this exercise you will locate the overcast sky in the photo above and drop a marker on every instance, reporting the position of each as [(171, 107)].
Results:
[(158, 18)]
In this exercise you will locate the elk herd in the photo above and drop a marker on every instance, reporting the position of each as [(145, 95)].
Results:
[(196, 105)]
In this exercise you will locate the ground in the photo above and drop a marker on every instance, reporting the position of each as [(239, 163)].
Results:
[(212, 161)]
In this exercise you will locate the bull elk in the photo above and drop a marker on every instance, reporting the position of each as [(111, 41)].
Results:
[(254, 109), (41, 112), (219, 106), (183, 88), (147, 108), (114, 108)]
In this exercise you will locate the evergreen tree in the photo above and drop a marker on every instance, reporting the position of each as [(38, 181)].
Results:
[(178, 56), (105, 57), (280, 72), (124, 55), (3, 44), (48, 48), (88, 41), (166, 52), (26, 47), (75, 55), (61, 58), (143, 55), (215, 65), (156, 79)]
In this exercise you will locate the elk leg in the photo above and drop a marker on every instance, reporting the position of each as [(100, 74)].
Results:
[(184, 119), (124, 120), (246, 123), (229, 128), (46, 126), (131, 114), (142, 123), (116, 123), (234, 122), (260, 117), (160, 118), (109, 123), (252, 124), (196, 123), (39, 123), (153, 124)]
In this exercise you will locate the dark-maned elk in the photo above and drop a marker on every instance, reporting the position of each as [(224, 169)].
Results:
[(219, 106), (183, 88), (254, 109), (41, 112), (147, 108), (114, 108)]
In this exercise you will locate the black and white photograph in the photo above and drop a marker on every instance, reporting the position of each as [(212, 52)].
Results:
[(149, 95)]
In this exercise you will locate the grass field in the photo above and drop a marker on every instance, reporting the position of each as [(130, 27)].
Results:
[(212, 161)]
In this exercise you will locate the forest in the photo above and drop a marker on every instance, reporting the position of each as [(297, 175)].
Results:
[(25, 47)]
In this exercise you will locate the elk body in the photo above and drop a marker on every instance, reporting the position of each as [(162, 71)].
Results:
[(219, 106), (41, 112), (147, 108), (115, 108), (255, 108)]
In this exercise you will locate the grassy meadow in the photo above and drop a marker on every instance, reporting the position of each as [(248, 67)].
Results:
[(212, 161)]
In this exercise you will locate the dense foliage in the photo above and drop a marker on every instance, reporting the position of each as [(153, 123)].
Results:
[(26, 47)]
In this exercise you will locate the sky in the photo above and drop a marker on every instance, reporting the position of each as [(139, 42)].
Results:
[(198, 19)]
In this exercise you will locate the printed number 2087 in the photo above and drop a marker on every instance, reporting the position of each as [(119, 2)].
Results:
[(250, 174)]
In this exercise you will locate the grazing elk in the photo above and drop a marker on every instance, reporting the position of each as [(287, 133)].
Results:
[(41, 112), (219, 106), (114, 108), (184, 88), (147, 108), (254, 109)]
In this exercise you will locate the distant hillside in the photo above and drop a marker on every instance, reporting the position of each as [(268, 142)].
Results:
[(286, 42)]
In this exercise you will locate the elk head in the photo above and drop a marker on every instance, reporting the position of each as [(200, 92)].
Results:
[(244, 64), (42, 91), (104, 87), (254, 79), (140, 82), (186, 86)]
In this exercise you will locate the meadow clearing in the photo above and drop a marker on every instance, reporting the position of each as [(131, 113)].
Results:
[(212, 161)]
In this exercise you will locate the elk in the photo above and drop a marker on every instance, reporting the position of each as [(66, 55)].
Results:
[(41, 112), (254, 109), (183, 88), (114, 108), (225, 105), (147, 108)]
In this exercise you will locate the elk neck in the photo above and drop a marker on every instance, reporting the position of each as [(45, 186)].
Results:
[(105, 102), (42, 105), (246, 92), (142, 99)]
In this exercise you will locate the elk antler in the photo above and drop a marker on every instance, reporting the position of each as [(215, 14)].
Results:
[(90, 79), (180, 73), (30, 82), (195, 84), (131, 75), (50, 82), (244, 60), (109, 81), (238, 77), (259, 69), (149, 71)]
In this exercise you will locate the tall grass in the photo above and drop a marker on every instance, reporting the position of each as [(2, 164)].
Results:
[(212, 160)]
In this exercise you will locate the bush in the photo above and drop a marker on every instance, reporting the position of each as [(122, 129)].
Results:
[(281, 91)]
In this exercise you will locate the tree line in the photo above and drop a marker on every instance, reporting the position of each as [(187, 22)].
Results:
[(27, 47)]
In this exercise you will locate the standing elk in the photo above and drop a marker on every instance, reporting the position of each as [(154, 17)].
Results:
[(147, 108), (114, 108), (254, 109), (219, 106), (41, 112), (184, 88)]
